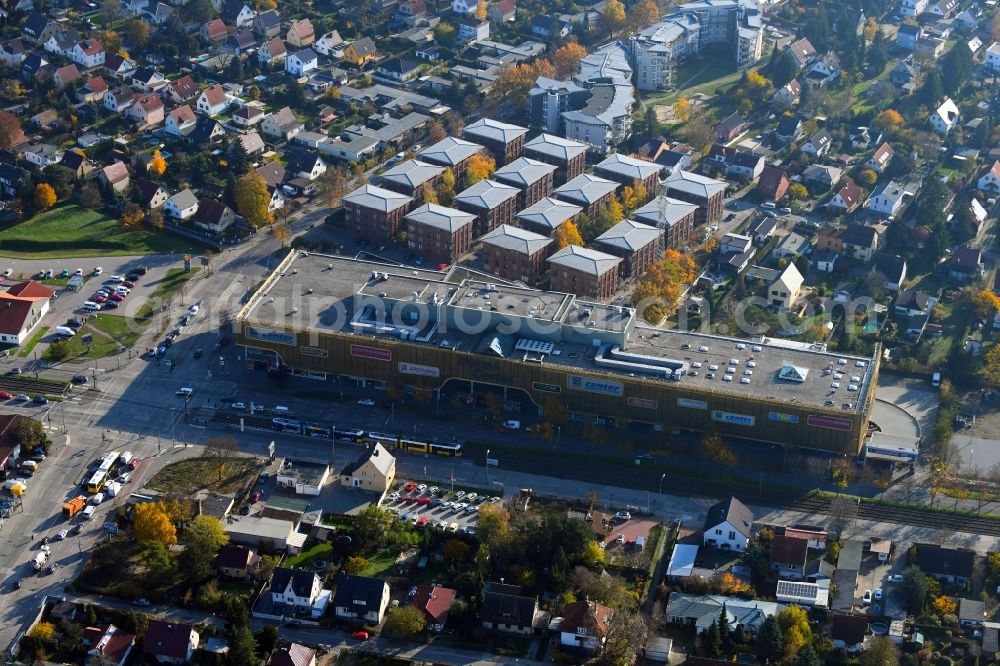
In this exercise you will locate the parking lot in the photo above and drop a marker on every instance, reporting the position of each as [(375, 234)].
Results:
[(437, 507), (876, 575)]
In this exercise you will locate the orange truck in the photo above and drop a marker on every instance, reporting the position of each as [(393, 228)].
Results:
[(74, 506)]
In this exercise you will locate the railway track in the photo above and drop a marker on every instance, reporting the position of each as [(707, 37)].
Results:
[(649, 479), (803, 502)]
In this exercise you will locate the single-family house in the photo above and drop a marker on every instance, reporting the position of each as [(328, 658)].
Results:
[(847, 197), (908, 35), (237, 13), (115, 177), (88, 53), (880, 158), (148, 110), (374, 470), (301, 62), (848, 631), (892, 267), (788, 556), (213, 32), (267, 24), (149, 194), (330, 44), (119, 99), (728, 525), (506, 610), (944, 117), (584, 625), (272, 53), (170, 642), (360, 52), (212, 101), (293, 655), (772, 183), (107, 646), (360, 598), (282, 124), (966, 264), (911, 303), (971, 612), (182, 89), (787, 96), (948, 565), (435, 603), (67, 75), (294, 591), (887, 199), (802, 52), (180, 121), (400, 70), (213, 216), (301, 33), (729, 128), (700, 611), (990, 180), (784, 290), (182, 205), (235, 561), (818, 144)]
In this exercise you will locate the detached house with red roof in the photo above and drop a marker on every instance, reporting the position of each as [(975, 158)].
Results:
[(880, 158), (272, 53), (88, 53), (990, 181), (21, 309), (65, 76), (181, 121), (182, 89), (170, 642), (212, 101), (93, 90), (584, 625), (293, 655), (109, 646), (772, 184), (116, 177), (435, 602), (147, 110), (301, 33), (213, 32), (847, 197)]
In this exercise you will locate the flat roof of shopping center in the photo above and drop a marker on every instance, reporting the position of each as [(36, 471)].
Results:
[(320, 293)]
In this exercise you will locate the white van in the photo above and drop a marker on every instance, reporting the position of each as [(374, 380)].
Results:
[(64, 331), (89, 512), (91, 306), (97, 499), (512, 424), (30, 464), (38, 561), (281, 410)]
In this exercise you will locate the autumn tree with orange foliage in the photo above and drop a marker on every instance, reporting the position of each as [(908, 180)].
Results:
[(132, 214), (982, 301), (945, 605), (479, 167), (643, 15), (658, 291), (889, 119), (45, 196), (157, 165), (512, 84), (567, 58), (727, 583), (567, 234)]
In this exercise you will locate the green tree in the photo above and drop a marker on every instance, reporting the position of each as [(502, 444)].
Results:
[(651, 122), (932, 89), (200, 11), (770, 646), (267, 640), (406, 621), (955, 67), (711, 642), (60, 178), (723, 622), (242, 648), (915, 589), (30, 434), (444, 33), (202, 540), (807, 656), (879, 651), (371, 526), (239, 160), (355, 564), (234, 70), (937, 243)]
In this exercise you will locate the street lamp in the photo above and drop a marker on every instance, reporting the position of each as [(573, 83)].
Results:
[(659, 494), (487, 467)]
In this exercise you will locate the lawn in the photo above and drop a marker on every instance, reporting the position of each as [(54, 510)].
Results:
[(165, 289), (305, 559), (110, 333), (72, 231), (42, 330), (704, 75), (380, 563), (185, 477)]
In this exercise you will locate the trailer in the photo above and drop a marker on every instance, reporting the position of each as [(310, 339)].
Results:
[(39, 561)]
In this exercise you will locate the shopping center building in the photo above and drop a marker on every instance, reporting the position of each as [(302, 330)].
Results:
[(457, 335)]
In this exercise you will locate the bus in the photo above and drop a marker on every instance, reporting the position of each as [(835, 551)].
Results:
[(103, 473), (286, 425)]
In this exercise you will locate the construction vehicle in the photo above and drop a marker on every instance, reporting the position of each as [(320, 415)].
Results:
[(38, 561), (74, 506)]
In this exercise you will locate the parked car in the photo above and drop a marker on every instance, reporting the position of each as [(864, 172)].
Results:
[(40, 400), (623, 516), (5, 396), (366, 402), (867, 597), (141, 602), (360, 635)]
